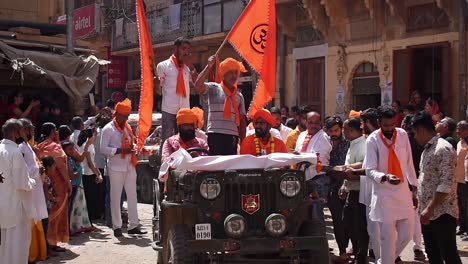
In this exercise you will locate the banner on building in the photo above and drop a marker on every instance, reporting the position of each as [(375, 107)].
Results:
[(116, 71), (386, 92), (86, 21), (340, 101)]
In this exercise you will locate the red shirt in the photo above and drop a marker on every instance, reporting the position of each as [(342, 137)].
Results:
[(11, 111), (248, 146)]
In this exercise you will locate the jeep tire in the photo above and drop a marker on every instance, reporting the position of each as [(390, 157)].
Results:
[(175, 249), (321, 255)]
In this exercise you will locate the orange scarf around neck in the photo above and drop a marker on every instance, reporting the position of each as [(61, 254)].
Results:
[(180, 87), (393, 162), (230, 98), (127, 142), (306, 143)]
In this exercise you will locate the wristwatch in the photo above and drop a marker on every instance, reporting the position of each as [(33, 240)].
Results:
[(384, 178)]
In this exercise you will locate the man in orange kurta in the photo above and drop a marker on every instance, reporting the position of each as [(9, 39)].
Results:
[(262, 142)]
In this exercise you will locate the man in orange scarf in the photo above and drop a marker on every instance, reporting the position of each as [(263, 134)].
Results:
[(262, 142), (175, 75), (118, 144), (187, 120), (226, 108), (389, 164)]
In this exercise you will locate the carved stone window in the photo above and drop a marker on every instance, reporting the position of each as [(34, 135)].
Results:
[(426, 16)]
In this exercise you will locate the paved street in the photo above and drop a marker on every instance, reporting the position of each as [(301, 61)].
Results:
[(104, 248)]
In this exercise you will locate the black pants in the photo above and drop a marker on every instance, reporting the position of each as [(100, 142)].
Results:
[(462, 192), (335, 204), (354, 218), (101, 199), (91, 190), (440, 240), (222, 144)]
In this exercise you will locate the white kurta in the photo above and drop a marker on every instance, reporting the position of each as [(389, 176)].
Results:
[(38, 190), (284, 132), (390, 202), (319, 143), (16, 206)]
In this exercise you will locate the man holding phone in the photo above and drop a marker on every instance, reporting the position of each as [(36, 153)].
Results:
[(392, 203)]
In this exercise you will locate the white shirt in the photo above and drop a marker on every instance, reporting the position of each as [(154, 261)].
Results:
[(390, 202), (167, 72), (16, 203), (38, 191), (319, 143), (86, 169), (74, 136), (356, 153), (111, 139), (284, 132)]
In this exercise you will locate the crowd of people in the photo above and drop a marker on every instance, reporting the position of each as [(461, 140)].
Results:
[(399, 173), (55, 183)]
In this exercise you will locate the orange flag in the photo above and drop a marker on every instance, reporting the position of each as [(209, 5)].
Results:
[(147, 74), (254, 38)]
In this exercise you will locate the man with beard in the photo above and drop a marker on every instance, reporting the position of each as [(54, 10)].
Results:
[(175, 74), (118, 144), (284, 130), (17, 208), (38, 190), (291, 139), (392, 203), (226, 108), (262, 142), (186, 139), (340, 146)]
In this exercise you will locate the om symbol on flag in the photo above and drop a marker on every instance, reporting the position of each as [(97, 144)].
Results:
[(258, 38)]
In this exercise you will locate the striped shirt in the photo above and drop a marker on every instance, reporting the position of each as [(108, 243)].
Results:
[(216, 122)]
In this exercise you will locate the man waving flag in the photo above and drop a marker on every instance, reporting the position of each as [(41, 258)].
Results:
[(254, 38), (147, 74)]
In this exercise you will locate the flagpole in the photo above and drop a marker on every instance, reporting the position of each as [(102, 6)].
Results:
[(222, 44)]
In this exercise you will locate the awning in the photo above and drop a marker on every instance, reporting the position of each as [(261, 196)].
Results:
[(75, 75)]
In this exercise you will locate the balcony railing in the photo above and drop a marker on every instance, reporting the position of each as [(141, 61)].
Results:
[(125, 32)]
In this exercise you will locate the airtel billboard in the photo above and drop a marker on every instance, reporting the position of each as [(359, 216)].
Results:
[(86, 20)]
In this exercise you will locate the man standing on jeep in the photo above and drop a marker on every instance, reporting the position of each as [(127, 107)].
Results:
[(262, 142), (226, 107), (186, 139)]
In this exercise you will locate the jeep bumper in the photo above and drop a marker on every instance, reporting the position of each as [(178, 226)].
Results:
[(259, 245)]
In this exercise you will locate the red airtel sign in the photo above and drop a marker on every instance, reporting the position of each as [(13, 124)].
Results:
[(85, 20)]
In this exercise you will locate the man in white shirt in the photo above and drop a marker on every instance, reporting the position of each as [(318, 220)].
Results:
[(392, 201), (315, 140), (33, 170), (117, 143), (174, 75), (354, 213), (77, 125), (16, 205), (284, 130)]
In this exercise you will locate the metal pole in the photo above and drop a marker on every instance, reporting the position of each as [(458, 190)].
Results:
[(69, 11)]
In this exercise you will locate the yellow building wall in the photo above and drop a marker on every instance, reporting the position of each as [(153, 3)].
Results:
[(44, 11), (374, 53)]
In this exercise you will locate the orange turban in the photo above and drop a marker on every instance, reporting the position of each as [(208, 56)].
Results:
[(265, 115), (354, 114), (186, 116), (124, 107), (230, 64), (199, 113)]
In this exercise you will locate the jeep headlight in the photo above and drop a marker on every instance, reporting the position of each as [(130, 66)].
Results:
[(275, 225), (290, 186), (210, 188), (234, 225)]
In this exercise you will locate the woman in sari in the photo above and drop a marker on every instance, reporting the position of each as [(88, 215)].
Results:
[(58, 230), (78, 213)]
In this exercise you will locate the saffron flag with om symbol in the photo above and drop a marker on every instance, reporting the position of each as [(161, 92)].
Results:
[(254, 38), (145, 110)]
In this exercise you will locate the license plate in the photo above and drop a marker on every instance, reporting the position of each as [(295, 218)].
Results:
[(202, 231)]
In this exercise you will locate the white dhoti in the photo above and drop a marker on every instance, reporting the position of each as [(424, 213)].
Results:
[(373, 229), (417, 237), (118, 181), (394, 237), (15, 242)]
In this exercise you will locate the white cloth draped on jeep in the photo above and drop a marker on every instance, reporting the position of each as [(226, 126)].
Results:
[(181, 160)]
